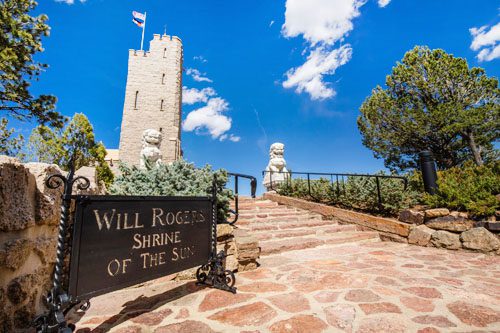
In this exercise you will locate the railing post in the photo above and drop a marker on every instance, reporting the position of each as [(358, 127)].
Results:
[(338, 186), (379, 198), (253, 187), (309, 184)]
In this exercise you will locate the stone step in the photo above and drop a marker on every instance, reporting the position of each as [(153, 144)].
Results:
[(284, 213), (288, 233), (287, 225), (299, 243), (277, 219)]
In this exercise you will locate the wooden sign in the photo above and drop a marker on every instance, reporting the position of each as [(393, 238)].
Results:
[(121, 241)]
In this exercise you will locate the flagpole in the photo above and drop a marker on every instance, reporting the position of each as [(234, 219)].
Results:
[(143, 28)]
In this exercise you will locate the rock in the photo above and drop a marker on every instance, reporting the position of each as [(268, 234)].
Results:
[(217, 299), (381, 324), (424, 292), (187, 326), (480, 239), (445, 240), (247, 248), (231, 263), (474, 315), (21, 288), (247, 265), (341, 316), (420, 235), (17, 195), (48, 201), (253, 314), (388, 237), (460, 214), (450, 223), (383, 307), (439, 321), (46, 249), (436, 212), (418, 304), (224, 231), (411, 216), (15, 253), (361, 295), (292, 302), (491, 218), (299, 323)]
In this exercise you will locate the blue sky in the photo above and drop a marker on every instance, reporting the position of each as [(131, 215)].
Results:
[(290, 71)]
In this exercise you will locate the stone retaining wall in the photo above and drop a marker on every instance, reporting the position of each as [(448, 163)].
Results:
[(29, 215), (434, 227)]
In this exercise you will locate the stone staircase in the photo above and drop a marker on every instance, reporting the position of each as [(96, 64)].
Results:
[(282, 228)]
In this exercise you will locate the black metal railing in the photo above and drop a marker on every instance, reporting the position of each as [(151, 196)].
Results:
[(337, 181), (253, 189)]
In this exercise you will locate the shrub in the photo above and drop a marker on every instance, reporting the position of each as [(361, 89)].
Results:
[(355, 192), (468, 188), (179, 178)]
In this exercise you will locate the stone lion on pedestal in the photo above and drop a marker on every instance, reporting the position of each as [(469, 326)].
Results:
[(151, 140), (276, 171)]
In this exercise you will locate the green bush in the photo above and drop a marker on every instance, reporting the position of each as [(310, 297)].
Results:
[(355, 192), (468, 188), (179, 178)]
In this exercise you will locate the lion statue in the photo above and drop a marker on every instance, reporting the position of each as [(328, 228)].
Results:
[(151, 140), (276, 171)]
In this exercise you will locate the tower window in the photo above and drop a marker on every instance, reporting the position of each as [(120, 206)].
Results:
[(161, 105), (163, 79), (164, 52), (161, 129), (135, 101)]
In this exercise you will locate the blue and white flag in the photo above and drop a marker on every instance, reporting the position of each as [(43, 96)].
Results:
[(139, 19)]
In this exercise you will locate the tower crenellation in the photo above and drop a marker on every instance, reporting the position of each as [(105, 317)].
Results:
[(153, 98)]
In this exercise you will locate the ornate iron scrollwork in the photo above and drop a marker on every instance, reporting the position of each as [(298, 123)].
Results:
[(213, 274), (58, 301)]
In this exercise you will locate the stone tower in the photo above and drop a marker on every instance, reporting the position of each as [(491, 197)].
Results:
[(153, 99)]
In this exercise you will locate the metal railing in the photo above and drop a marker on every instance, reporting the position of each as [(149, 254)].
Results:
[(337, 181), (253, 189)]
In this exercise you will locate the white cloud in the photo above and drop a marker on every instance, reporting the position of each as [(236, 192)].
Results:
[(193, 95), (209, 117), (486, 40), (383, 3), (322, 23), (197, 75), (271, 23), (234, 138), (309, 77), (69, 2), (200, 59)]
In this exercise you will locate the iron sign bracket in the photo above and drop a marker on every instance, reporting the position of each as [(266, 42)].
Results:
[(214, 273), (58, 301)]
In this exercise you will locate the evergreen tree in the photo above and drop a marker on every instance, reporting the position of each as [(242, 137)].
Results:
[(20, 40), (433, 101), (8, 145), (76, 142)]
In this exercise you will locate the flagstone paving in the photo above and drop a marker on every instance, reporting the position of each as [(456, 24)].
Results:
[(356, 287)]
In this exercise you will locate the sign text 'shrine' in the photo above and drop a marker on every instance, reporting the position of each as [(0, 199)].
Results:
[(121, 241)]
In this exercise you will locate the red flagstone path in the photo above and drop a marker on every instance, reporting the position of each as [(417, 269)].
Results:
[(367, 287), (316, 276)]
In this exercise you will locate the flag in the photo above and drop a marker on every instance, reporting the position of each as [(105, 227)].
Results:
[(139, 19)]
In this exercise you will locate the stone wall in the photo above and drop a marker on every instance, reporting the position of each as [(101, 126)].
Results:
[(434, 227), (451, 230), (29, 215)]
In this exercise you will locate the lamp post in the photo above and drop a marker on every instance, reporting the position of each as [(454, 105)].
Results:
[(428, 168)]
